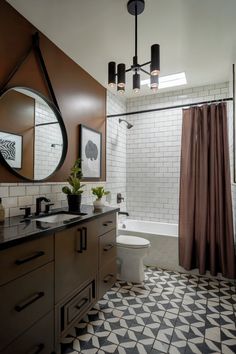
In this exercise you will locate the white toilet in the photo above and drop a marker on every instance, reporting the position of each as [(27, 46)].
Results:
[(130, 253)]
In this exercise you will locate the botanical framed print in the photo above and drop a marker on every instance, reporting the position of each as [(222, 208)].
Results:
[(11, 149), (90, 152)]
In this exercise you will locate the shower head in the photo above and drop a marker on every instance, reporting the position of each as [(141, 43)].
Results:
[(129, 126)]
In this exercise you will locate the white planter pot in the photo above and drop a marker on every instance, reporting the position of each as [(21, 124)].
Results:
[(98, 204)]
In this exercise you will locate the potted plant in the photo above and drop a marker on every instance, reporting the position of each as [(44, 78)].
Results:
[(74, 192), (99, 192)]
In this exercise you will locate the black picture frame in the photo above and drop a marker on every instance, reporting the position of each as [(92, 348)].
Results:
[(90, 153), (14, 158)]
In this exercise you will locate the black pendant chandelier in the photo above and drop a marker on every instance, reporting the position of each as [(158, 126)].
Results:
[(117, 78)]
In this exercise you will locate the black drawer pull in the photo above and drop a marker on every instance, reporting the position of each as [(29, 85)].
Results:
[(84, 238), (30, 258), (82, 303), (108, 277), (108, 247), (37, 349), (29, 301), (106, 223), (79, 243)]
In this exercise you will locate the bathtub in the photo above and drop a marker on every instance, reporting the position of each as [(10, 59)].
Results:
[(163, 237)]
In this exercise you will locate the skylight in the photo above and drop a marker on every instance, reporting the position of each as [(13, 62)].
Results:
[(169, 80)]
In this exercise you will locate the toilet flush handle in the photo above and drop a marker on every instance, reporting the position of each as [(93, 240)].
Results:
[(108, 247), (107, 222), (108, 277)]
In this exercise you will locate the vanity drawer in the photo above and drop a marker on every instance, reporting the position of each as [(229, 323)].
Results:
[(22, 259), (79, 303), (107, 248), (38, 339), (24, 301), (107, 277), (106, 223)]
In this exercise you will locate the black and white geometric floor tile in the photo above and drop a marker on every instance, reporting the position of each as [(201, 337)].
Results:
[(169, 313)]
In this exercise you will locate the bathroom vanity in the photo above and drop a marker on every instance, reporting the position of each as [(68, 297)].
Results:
[(51, 274)]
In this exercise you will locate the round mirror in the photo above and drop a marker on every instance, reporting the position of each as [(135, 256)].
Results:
[(33, 140)]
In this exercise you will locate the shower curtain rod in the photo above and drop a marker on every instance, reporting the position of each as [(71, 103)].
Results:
[(170, 107)]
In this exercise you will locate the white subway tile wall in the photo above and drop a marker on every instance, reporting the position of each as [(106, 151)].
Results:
[(48, 141), (153, 151), (116, 150), (17, 195)]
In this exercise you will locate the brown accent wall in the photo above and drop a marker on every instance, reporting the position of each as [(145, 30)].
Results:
[(80, 97), (17, 117)]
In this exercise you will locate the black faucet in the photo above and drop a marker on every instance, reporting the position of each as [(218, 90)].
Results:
[(38, 204), (123, 213)]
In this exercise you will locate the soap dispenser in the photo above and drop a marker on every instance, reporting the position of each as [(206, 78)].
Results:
[(2, 212)]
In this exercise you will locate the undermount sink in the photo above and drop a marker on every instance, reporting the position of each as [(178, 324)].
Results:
[(59, 217)]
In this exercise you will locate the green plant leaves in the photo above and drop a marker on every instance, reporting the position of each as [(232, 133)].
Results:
[(99, 192), (66, 190), (74, 179)]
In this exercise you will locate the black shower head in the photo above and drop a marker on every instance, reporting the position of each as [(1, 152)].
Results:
[(129, 125)]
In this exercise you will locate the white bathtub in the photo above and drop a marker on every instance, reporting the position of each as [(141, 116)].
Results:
[(163, 238), (149, 227)]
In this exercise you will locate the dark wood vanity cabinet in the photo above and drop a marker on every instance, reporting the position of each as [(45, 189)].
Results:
[(76, 258), (27, 298), (85, 268), (49, 284), (107, 254)]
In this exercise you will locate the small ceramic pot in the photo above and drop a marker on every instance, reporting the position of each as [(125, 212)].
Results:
[(98, 204)]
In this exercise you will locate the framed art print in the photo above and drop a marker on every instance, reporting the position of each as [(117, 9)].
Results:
[(90, 152), (11, 149)]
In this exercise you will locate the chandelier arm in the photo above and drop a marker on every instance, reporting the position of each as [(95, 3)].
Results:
[(146, 72), (128, 70), (144, 64)]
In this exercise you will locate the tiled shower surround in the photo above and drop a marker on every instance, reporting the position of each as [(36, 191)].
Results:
[(153, 151)]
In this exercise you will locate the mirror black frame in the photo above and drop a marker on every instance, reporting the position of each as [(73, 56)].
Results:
[(63, 131)]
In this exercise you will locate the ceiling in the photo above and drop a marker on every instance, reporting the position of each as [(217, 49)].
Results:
[(195, 36)]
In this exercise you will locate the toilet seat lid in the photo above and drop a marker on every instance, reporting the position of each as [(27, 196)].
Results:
[(132, 241)]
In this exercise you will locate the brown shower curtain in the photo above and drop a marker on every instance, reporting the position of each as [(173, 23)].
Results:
[(206, 239)]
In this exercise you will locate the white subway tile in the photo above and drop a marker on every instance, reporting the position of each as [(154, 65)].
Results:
[(17, 191), (32, 190)]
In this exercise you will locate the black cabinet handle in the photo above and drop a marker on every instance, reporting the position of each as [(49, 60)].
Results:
[(29, 258), (29, 301), (79, 242), (106, 223), (82, 303), (108, 247), (84, 238), (108, 277), (38, 349)]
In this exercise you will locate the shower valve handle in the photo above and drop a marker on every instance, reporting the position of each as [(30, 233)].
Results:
[(119, 198)]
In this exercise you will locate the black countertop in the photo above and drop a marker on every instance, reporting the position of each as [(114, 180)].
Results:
[(16, 230)]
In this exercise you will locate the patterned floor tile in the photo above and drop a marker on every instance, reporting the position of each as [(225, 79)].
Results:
[(175, 350), (107, 348), (170, 313), (161, 347), (165, 333)]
